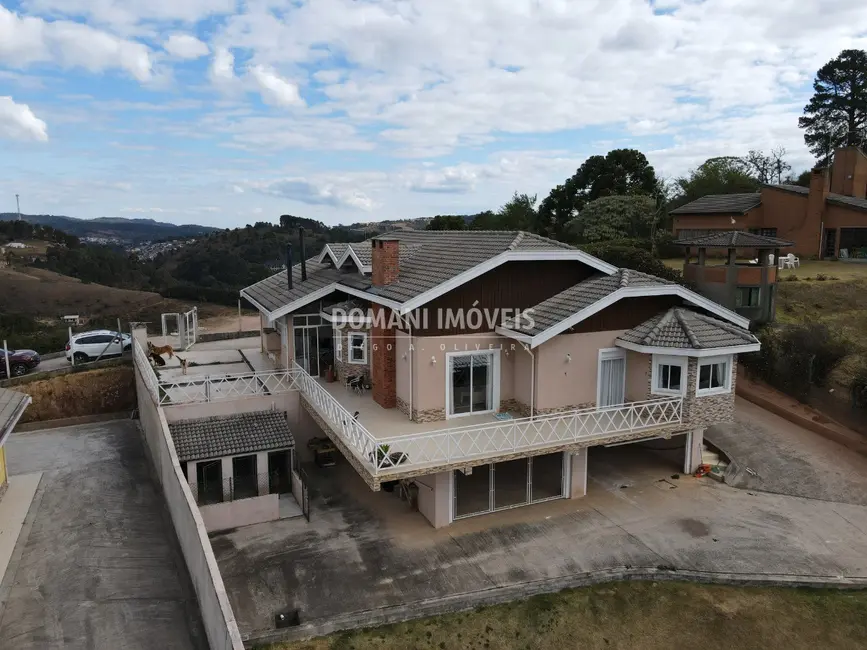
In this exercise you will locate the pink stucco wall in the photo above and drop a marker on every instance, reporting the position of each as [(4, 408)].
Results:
[(429, 385), (637, 376)]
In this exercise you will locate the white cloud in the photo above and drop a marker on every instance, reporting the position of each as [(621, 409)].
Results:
[(25, 40), (275, 89), (222, 67), (317, 192), (121, 13), (17, 122), (185, 46)]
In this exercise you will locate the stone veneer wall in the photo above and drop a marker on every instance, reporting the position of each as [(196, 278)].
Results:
[(344, 369), (430, 415), (701, 412)]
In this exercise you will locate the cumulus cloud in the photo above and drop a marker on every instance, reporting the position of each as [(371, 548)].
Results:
[(222, 68), (127, 13), (185, 46), (17, 122), (25, 40), (315, 192), (275, 90)]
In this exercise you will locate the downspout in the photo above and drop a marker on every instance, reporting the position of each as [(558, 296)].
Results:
[(409, 327), (532, 382)]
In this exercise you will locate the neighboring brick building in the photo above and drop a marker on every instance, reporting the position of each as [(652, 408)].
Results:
[(828, 217)]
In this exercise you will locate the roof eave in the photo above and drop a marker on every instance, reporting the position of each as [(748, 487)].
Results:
[(688, 352)]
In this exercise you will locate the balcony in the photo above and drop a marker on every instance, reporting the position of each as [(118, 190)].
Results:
[(385, 445)]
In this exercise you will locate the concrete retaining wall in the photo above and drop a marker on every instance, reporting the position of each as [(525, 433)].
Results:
[(226, 336), (244, 512), (217, 615)]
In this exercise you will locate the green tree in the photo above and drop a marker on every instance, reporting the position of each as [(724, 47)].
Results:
[(722, 175), (519, 213), (620, 172), (836, 114), (447, 222), (614, 217), (802, 179)]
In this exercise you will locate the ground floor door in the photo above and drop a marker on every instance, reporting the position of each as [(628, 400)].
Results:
[(512, 483), (209, 482), (279, 467)]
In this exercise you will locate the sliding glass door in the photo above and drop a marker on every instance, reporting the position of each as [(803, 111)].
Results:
[(471, 379)]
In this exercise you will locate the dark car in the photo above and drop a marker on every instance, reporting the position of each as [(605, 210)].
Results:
[(20, 362)]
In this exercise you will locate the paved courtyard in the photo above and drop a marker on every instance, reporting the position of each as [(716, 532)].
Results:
[(96, 565), (364, 552)]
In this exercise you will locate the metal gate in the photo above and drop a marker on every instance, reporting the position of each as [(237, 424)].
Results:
[(185, 331), (190, 331)]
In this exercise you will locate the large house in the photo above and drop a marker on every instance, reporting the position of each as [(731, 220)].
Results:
[(828, 219), (480, 367)]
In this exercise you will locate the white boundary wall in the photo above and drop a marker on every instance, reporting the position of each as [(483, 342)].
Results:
[(217, 614)]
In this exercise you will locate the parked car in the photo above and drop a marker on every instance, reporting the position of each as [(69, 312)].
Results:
[(20, 362), (87, 346)]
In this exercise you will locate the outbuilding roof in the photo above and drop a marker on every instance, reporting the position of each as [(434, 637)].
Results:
[(734, 239), (721, 204), (231, 435), (680, 328)]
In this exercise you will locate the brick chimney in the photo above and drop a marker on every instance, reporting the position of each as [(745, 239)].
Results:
[(820, 185), (385, 261), (849, 172)]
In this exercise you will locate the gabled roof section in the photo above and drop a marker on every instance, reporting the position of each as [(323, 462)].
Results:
[(734, 239), (721, 204), (231, 435), (684, 330), (334, 251), (788, 187), (847, 201), (272, 294), (12, 405), (577, 303)]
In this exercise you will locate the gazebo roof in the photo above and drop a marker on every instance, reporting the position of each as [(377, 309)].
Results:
[(734, 239)]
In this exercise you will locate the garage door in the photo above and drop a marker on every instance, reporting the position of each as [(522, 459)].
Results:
[(509, 484)]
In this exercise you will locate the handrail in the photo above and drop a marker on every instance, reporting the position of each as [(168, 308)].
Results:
[(205, 388), (150, 378)]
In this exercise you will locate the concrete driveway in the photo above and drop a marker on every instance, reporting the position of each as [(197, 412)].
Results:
[(788, 459), (364, 557), (96, 565)]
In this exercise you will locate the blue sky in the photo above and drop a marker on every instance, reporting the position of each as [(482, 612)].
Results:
[(226, 112)]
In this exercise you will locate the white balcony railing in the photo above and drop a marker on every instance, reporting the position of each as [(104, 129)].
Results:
[(496, 438), (192, 389)]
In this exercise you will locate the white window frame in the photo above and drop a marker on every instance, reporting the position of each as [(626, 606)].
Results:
[(709, 361), (666, 360), (606, 354), (338, 343), (350, 348), (495, 392)]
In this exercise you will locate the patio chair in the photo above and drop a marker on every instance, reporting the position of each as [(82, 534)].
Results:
[(793, 261)]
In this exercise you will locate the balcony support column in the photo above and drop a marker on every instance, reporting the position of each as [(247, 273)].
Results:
[(692, 453), (578, 484)]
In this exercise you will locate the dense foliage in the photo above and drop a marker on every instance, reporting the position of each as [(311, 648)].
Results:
[(18, 230)]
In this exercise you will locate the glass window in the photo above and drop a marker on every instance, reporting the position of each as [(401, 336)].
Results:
[(669, 375), (358, 347), (747, 297), (472, 383), (713, 376)]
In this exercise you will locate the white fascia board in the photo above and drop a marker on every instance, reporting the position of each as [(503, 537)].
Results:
[(635, 292), (306, 300), (351, 253), (512, 334), (358, 293), (325, 251), (255, 303), (688, 352), (498, 260)]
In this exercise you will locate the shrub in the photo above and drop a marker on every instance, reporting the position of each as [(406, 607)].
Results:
[(821, 277), (859, 386), (789, 278)]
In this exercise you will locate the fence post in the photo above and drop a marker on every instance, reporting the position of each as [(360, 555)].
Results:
[(207, 388)]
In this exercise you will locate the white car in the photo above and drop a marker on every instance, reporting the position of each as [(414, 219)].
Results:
[(89, 345)]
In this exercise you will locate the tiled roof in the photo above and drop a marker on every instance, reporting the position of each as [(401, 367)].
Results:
[(363, 251), (272, 293), (848, 201), (680, 328), (231, 435), (10, 402), (786, 187), (721, 204), (577, 297), (433, 257), (734, 239)]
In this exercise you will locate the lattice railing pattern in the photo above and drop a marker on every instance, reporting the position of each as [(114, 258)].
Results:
[(454, 445), (188, 390)]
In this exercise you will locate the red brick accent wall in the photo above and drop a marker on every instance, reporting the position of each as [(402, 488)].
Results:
[(385, 261), (384, 360)]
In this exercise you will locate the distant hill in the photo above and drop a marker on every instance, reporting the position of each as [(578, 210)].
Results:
[(124, 231)]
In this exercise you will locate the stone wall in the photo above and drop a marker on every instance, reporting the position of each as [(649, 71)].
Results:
[(343, 368), (700, 412), (430, 415), (92, 392)]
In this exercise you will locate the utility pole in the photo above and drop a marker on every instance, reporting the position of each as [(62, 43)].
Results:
[(18, 204)]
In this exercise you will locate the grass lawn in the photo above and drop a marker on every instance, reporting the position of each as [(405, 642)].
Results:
[(634, 615)]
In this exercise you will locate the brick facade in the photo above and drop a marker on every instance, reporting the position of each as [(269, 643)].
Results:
[(384, 361), (385, 261), (701, 412)]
